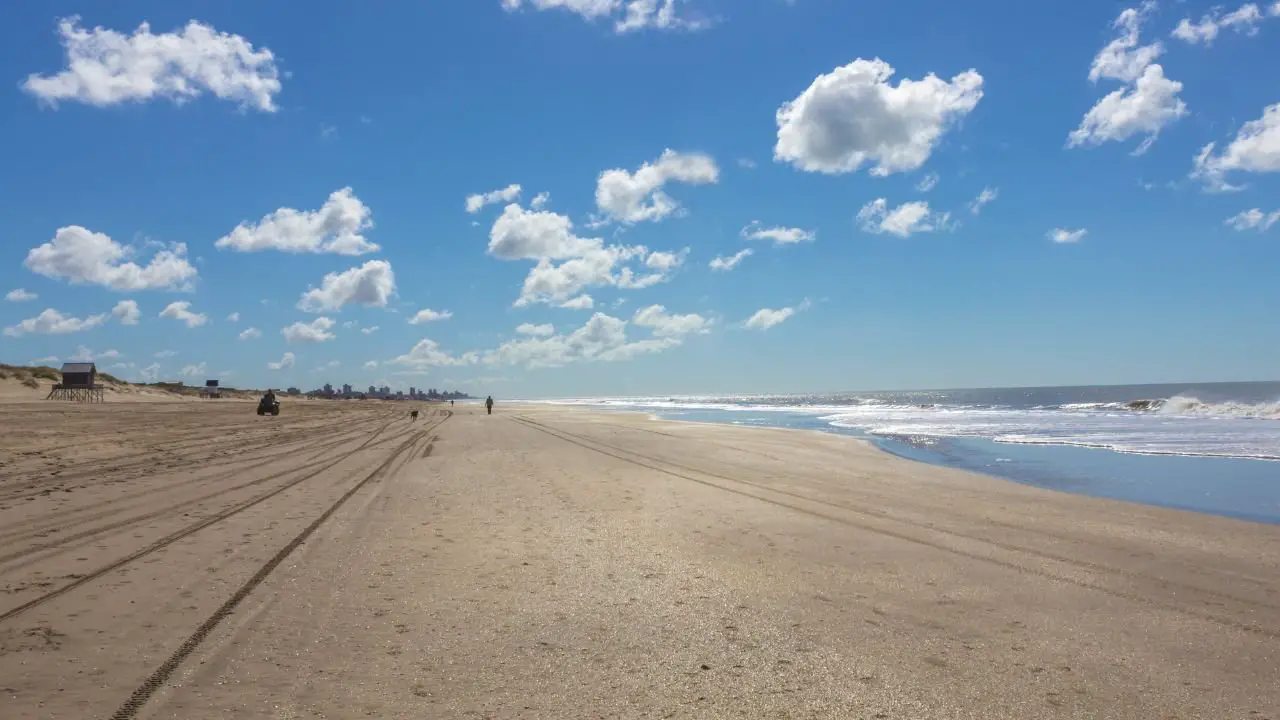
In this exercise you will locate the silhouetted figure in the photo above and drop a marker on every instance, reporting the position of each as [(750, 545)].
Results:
[(488, 404), (450, 403)]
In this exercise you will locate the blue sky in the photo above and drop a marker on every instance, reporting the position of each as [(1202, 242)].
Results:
[(251, 163)]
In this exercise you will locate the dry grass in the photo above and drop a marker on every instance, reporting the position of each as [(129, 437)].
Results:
[(31, 382)]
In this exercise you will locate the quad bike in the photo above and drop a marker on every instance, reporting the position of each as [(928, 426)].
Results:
[(268, 406)]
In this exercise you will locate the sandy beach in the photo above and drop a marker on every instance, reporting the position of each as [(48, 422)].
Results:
[(192, 560)]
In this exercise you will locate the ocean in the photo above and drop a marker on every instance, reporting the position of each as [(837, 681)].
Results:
[(1210, 447)]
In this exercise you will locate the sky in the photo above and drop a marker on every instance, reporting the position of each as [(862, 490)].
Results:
[(566, 198)]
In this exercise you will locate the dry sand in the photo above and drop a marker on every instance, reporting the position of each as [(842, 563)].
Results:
[(192, 560)]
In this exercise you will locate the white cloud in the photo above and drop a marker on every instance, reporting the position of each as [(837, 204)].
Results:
[(724, 263), (181, 311), (1256, 148), (369, 330), (778, 235), (427, 354), (233, 317), (150, 373), (986, 196), (628, 15), (370, 285), (52, 322), (193, 371), (1146, 104), (106, 67), (83, 257), (313, 332), (20, 295), (853, 116), (765, 318), (540, 200), (335, 228), (902, 221), (166, 354), (602, 338), (544, 236), (536, 330), (84, 354), (371, 365), (664, 324), (1143, 108), (1064, 236), (1253, 219), (928, 182), (747, 163), (477, 202), (427, 315), (581, 302), (127, 311), (250, 334), (1244, 20), (285, 362), (637, 197)]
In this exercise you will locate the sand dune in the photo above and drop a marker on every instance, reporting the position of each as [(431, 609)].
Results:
[(192, 560)]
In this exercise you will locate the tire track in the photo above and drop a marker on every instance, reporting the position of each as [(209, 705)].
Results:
[(653, 464), (157, 679), (179, 535), (65, 542)]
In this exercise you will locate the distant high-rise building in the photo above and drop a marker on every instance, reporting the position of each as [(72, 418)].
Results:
[(413, 393), (346, 389)]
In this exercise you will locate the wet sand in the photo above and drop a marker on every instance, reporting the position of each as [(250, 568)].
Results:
[(192, 560)]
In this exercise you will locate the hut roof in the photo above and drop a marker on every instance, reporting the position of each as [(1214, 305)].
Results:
[(78, 368)]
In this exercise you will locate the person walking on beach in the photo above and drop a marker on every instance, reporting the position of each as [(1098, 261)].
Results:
[(488, 404)]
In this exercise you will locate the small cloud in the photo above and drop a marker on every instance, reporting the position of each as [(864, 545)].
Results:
[(984, 197), (369, 330), (1064, 236), (166, 354), (127, 311), (1253, 219), (766, 318), (251, 334), (233, 317), (747, 163), (285, 362), (181, 311), (328, 133), (928, 182), (20, 295), (427, 315), (725, 263)]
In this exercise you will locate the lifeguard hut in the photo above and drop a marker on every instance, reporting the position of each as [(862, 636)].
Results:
[(79, 384), (211, 390)]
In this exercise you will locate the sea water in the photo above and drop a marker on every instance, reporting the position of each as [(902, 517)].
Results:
[(1211, 447)]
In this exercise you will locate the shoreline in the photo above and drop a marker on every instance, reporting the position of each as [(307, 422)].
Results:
[(1099, 472)]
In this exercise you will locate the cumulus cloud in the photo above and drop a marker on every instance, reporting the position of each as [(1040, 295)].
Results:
[(547, 237), (725, 263), (371, 365), (1256, 149), (1146, 104), (369, 330), (777, 235), (540, 200), (83, 257), (628, 15), (902, 221), (285, 362), (127, 311), (335, 228), (1065, 236), (106, 67), (20, 295), (1243, 20), (765, 318), (603, 338), (194, 371), (150, 373), (52, 322), (581, 302), (928, 182), (536, 330), (853, 116), (250, 334), (181, 311), (371, 285), (233, 317), (986, 196), (427, 315), (664, 324), (477, 202), (636, 197), (313, 332), (427, 354), (84, 354), (1253, 219), (166, 354)]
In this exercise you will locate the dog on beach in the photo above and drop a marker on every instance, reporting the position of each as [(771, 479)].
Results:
[(413, 415)]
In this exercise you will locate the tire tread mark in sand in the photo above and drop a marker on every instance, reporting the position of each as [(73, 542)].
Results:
[(126, 522), (162, 674), (1228, 622), (45, 523), (940, 511), (175, 537)]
